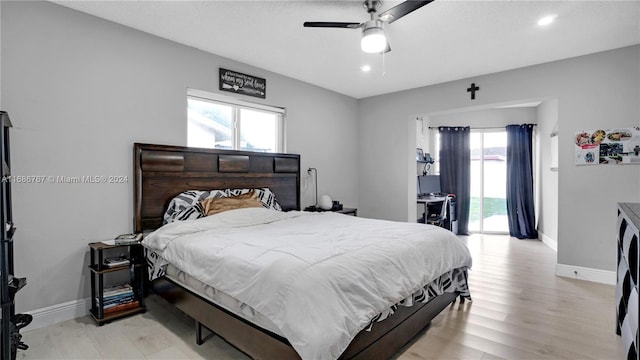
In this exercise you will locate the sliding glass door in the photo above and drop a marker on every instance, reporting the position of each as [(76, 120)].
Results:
[(488, 208)]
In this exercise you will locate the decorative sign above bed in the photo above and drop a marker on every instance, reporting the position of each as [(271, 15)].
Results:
[(617, 146), (244, 84)]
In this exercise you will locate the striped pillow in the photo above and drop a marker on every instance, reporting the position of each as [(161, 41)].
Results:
[(191, 213), (179, 207), (183, 206)]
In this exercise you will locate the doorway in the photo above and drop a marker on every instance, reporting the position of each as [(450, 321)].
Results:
[(488, 205)]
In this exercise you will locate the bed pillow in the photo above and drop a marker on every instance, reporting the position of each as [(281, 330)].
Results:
[(213, 206), (266, 197), (191, 213), (179, 205)]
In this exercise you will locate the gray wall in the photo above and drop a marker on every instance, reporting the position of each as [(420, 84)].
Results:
[(548, 179), (486, 118), (81, 90), (593, 91)]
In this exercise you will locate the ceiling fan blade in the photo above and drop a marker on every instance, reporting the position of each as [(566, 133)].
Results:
[(323, 24), (401, 10)]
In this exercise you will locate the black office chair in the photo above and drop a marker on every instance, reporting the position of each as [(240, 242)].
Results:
[(439, 219)]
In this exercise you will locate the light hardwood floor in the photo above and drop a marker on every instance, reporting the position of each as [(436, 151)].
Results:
[(520, 310)]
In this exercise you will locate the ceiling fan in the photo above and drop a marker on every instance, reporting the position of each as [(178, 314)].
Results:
[(374, 39)]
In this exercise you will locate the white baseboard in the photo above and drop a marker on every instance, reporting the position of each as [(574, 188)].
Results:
[(588, 274), (58, 313), (578, 272), (552, 243)]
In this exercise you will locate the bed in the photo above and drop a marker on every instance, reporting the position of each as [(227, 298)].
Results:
[(163, 172)]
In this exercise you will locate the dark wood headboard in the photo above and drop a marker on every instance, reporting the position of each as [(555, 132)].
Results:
[(161, 172)]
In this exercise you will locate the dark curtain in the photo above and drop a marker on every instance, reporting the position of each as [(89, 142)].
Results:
[(520, 202), (455, 170)]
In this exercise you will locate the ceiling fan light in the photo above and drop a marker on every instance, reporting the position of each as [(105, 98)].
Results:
[(373, 38), (546, 20)]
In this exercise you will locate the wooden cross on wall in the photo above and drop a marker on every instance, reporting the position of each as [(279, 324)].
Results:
[(473, 90)]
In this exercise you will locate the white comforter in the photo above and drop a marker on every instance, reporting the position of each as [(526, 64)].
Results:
[(319, 277)]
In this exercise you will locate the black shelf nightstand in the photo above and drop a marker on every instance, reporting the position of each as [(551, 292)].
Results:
[(346, 211), (98, 270)]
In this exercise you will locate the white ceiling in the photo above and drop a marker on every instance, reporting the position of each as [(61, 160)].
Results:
[(443, 41)]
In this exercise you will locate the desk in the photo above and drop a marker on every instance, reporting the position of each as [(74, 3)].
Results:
[(425, 201), (430, 199)]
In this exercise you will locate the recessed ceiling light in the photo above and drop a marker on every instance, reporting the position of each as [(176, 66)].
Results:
[(544, 21), (365, 68)]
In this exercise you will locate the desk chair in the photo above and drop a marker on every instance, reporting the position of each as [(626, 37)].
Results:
[(439, 219)]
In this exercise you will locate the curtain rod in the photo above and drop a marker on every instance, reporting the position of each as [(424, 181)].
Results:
[(479, 127)]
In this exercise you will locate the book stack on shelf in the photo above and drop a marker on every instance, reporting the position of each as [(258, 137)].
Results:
[(116, 261), (118, 298), (128, 239)]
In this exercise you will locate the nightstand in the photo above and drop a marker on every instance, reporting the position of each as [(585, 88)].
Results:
[(118, 300), (346, 211)]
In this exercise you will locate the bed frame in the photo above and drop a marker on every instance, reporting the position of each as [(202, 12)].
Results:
[(161, 172)]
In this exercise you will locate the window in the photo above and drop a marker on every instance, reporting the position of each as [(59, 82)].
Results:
[(436, 164), (488, 206), (220, 122)]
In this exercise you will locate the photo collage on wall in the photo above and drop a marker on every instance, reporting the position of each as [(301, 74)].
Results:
[(617, 146)]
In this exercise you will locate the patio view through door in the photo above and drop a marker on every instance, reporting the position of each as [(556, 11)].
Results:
[(488, 206)]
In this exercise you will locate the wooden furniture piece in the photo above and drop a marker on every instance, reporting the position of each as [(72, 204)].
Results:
[(136, 268), (627, 309), (161, 172), (9, 284), (346, 211)]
